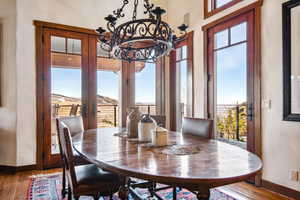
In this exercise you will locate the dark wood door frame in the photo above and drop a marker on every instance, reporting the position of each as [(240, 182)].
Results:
[(256, 9), (215, 11), (189, 42), (41, 79)]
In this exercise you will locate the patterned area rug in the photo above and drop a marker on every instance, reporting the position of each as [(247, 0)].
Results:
[(48, 187)]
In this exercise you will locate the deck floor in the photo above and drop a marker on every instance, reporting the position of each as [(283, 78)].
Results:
[(14, 187)]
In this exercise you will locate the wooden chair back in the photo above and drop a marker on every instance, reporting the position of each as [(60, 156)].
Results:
[(198, 127), (66, 150), (160, 120), (74, 123), (74, 109)]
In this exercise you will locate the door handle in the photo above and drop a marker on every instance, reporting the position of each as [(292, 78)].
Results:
[(250, 112), (95, 109), (84, 110)]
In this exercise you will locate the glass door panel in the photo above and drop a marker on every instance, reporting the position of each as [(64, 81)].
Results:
[(231, 61), (66, 82)]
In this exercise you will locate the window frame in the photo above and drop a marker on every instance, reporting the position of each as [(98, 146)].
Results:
[(215, 10), (189, 42)]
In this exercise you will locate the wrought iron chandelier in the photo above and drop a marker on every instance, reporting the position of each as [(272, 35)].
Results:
[(139, 39)]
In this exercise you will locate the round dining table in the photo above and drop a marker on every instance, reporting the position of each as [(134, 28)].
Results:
[(215, 164)]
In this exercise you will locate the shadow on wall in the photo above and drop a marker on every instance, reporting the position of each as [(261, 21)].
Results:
[(1, 60), (8, 153)]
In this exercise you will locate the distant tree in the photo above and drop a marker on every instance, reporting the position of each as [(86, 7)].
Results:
[(227, 123)]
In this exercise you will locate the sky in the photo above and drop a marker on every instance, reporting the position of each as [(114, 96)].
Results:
[(231, 74), (230, 66)]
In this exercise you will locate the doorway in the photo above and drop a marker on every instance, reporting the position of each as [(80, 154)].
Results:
[(231, 87)]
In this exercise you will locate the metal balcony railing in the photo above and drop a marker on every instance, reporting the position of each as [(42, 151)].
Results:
[(107, 115)]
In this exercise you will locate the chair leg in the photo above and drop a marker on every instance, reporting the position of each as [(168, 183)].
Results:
[(111, 197), (69, 193), (96, 197), (63, 191), (174, 193)]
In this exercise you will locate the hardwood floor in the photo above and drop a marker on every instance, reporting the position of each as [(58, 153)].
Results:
[(13, 186)]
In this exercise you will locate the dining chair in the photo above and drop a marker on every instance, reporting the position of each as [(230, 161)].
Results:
[(75, 125), (198, 127), (84, 180)]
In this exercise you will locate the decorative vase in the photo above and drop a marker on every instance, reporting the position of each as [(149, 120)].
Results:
[(132, 121)]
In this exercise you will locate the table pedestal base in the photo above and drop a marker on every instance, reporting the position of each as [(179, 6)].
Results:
[(123, 190), (203, 194)]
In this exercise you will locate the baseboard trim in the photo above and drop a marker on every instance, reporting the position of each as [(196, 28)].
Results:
[(17, 169), (281, 189)]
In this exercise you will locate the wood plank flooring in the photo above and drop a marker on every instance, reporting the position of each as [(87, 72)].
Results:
[(13, 186)]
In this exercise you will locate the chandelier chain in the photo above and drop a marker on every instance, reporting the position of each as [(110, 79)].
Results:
[(136, 3), (119, 12)]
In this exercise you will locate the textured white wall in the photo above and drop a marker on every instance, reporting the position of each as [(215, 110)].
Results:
[(8, 82), (280, 140)]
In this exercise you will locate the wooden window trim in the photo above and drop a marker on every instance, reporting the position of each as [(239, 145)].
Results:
[(256, 8), (208, 14), (189, 42), (215, 10), (43, 24)]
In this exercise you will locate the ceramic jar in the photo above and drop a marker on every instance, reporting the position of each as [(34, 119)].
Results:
[(145, 126), (159, 137)]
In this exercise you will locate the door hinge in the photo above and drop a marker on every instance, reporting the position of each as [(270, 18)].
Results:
[(208, 115), (43, 77), (43, 156), (208, 77)]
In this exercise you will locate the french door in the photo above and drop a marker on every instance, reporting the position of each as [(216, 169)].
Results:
[(231, 97), (68, 70), (76, 77)]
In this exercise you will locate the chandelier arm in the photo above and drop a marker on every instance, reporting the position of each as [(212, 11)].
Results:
[(148, 8), (111, 27)]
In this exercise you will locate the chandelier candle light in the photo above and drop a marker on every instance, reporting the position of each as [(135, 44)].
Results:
[(142, 40)]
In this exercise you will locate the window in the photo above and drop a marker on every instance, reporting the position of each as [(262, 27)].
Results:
[(212, 7), (182, 76), (108, 88), (181, 82)]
